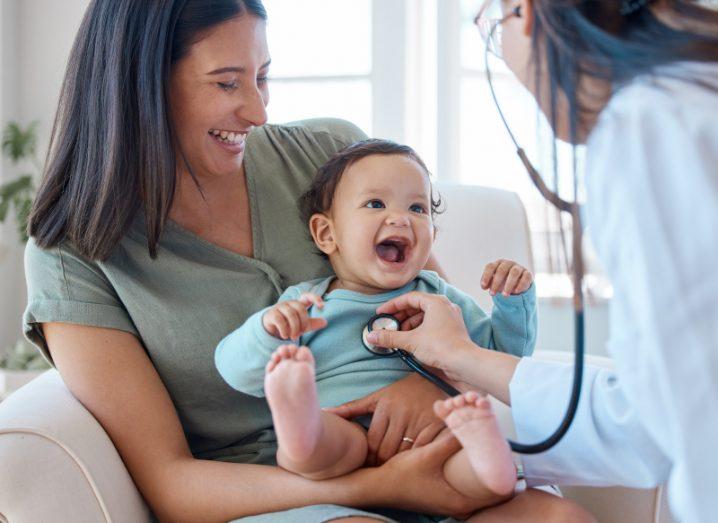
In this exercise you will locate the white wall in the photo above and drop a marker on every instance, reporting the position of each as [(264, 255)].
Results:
[(35, 37)]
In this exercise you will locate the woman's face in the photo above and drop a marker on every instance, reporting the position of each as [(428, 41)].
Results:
[(518, 54), (218, 93)]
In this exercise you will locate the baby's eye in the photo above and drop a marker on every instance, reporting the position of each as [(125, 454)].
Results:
[(418, 208), (374, 204)]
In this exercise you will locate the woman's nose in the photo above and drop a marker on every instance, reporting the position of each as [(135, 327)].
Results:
[(254, 110)]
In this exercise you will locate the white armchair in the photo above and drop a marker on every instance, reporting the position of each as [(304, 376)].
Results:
[(57, 464)]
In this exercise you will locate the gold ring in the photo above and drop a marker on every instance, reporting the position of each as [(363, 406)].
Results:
[(407, 439)]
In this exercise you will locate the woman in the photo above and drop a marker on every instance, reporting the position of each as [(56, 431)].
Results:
[(639, 80), (166, 217)]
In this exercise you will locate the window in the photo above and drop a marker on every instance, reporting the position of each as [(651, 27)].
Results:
[(321, 60)]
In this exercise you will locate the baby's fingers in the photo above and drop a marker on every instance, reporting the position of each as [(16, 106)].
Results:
[(296, 317), (280, 324), (502, 271), (488, 274), (308, 299), (316, 324), (525, 282), (513, 279)]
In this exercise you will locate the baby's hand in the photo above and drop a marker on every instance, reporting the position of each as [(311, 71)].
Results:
[(290, 319), (506, 277)]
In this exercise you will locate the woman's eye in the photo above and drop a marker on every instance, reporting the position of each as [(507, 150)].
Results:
[(228, 86), (261, 80), (418, 208), (374, 204)]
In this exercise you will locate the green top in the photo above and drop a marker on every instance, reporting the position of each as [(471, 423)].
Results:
[(194, 293)]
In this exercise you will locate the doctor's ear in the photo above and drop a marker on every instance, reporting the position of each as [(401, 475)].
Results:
[(524, 10), (322, 230)]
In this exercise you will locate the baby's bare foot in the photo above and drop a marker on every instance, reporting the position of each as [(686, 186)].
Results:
[(470, 418), (292, 396)]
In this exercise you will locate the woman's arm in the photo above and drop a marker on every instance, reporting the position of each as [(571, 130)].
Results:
[(109, 372), (432, 264)]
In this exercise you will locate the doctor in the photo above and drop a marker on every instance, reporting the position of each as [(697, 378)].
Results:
[(637, 81)]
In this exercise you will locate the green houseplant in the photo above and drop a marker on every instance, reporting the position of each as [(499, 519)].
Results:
[(21, 362), (18, 145)]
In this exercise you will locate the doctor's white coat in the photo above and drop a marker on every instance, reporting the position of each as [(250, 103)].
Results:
[(652, 204)]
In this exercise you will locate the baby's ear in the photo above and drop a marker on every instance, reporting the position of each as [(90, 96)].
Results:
[(322, 231)]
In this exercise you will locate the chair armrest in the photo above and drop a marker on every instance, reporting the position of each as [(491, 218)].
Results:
[(57, 463)]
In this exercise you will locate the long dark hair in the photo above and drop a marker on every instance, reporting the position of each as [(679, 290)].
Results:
[(616, 41), (111, 151)]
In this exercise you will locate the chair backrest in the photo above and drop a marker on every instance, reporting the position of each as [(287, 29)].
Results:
[(480, 225)]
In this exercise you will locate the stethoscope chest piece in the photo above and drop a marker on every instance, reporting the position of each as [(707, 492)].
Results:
[(380, 322)]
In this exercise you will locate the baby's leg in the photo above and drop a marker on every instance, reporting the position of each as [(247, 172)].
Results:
[(312, 443), (484, 469)]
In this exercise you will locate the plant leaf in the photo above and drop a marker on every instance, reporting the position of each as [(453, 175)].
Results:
[(18, 144), (17, 186)]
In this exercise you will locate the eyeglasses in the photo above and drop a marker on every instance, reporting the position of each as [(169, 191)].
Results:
[(489, 20)]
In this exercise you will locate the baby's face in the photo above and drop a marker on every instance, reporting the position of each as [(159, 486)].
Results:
[(381, 217)]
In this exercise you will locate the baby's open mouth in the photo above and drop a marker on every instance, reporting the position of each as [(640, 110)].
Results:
[(392, 250)]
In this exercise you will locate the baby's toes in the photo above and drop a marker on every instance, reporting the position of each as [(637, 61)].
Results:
[(458, 401), (441, 409), (483, 405), (472, 397), (286, 351), (304, 354)]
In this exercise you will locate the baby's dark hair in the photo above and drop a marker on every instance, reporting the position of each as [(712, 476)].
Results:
[(320, 195)]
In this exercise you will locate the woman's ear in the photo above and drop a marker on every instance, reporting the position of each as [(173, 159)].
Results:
[(322, 231)]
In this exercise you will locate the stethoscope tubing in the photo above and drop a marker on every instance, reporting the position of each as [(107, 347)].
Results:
[(577, 270), (418, 368)]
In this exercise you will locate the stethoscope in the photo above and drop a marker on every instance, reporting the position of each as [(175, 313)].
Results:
[(389, 322), (574, 210), (386, 321)]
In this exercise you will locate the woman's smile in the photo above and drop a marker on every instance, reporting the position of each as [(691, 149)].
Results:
[(231, 141)]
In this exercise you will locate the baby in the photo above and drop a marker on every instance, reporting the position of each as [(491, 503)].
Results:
[(371, 212)]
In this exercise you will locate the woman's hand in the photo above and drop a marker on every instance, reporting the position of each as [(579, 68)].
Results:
[(436, 339), (402, 409), (414, 480)]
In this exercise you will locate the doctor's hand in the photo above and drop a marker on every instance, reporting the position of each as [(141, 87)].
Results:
[(438, 339), (403, 409), (506, 277)]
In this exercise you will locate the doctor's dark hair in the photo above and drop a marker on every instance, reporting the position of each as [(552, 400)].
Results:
[(615, 40), (319, 197), (111, 150)]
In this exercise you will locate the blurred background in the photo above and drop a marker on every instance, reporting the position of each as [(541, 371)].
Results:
[(409, 70)]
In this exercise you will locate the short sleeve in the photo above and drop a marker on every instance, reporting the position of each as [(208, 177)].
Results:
[(63, 286), (337, 132)]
